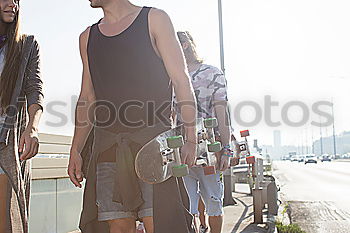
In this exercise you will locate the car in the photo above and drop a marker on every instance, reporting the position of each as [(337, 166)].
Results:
[(326, 158), (310, 159), (301, 158), (294, 159)]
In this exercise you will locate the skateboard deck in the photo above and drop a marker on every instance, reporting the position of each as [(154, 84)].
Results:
[(159, 159)]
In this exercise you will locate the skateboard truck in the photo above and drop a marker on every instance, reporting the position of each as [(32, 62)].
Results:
[(213, 146), (175, 143), (250, 159), (168, 156)]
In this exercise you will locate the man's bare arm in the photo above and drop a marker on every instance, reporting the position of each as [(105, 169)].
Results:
[(170, 51), (83, 114), (222, 115)]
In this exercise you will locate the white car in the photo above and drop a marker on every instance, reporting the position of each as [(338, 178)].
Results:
[(301, 158), (310, 159)]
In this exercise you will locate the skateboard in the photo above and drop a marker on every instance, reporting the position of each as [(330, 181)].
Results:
[(160, 158)]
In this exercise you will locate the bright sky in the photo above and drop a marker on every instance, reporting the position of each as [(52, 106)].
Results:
[(292, 50)]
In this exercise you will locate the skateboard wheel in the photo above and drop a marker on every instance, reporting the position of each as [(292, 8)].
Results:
[(209, 170), (175, 142), (180, 171), (210, 123), (214, 147)]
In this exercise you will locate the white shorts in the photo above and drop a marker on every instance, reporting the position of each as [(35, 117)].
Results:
[(210, 188)]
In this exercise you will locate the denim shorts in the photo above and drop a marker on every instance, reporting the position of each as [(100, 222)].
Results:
[(210, 188), (109, 210)]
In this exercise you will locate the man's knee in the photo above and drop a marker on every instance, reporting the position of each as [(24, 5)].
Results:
[(215, 207), (125, 225), (148, 222)]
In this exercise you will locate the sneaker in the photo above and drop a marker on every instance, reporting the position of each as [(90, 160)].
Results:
[(203, 229), (140, 228)]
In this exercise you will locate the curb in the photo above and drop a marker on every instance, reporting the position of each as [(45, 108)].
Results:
[(271, 226), (341, 160), (284, 214)]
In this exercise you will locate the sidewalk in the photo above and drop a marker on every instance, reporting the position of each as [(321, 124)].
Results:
[(240, 218)]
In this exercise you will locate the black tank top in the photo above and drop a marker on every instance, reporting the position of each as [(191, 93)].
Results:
[(131, 84)]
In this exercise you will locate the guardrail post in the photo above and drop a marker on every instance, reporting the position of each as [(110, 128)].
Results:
[(264, 186), (272, 198), (259, 172), (233, 182), (258, 205), (228, 199)]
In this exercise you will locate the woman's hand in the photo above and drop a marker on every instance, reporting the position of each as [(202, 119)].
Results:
[(29, 142)]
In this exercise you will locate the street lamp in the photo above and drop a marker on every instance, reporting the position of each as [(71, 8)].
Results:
[(221, 34)]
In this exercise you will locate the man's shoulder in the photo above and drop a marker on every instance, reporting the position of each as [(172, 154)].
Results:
[(157, 13), (85, 33), (215, 69), (211, 68), (84, 37), (159, 21)]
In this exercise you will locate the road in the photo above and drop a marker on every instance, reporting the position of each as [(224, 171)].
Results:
[(319, 194)]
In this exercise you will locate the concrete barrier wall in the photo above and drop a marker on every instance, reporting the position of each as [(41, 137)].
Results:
[(55, 206)]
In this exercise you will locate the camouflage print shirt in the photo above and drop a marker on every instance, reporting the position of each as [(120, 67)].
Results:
[(209, 84)]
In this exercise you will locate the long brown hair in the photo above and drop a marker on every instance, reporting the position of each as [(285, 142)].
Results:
[(9, 74), (191, 52)]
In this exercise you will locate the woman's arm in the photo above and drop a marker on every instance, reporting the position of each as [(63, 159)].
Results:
[(29, 141)]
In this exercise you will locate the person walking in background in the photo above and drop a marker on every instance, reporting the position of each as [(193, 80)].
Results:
[(20, 95), (210, 88)]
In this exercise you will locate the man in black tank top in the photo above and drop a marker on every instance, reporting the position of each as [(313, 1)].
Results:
[(130, 59)]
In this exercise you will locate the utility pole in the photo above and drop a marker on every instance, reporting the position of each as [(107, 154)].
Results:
[(334, 141), (302, 142), (321, 140), (298, 149), (221, 34), (312, 138), (228, 199), (307, 142)]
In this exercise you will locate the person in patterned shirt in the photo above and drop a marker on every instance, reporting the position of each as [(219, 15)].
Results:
[(210, 88)]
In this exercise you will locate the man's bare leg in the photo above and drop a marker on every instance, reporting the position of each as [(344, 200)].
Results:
[(201, 210), (215, 223), (123, 225), (148, 221), (3, 195)]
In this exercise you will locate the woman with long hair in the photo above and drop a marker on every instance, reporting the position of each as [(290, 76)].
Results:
[(20, 110)]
